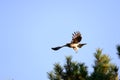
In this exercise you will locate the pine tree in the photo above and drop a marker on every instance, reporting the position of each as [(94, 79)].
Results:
[(103, 69), (71, 70), (118, 50)]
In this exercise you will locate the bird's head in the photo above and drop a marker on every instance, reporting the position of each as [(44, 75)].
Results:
[(80, 45)]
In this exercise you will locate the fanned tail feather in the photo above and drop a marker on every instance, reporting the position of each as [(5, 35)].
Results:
[(57, 48)]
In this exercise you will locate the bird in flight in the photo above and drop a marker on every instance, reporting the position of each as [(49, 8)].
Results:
[(75, 43)]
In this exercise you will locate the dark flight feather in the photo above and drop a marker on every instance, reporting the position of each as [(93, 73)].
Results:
[(76, 38)]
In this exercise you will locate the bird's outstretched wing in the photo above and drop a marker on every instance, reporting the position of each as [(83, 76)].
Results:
[(76, 38)]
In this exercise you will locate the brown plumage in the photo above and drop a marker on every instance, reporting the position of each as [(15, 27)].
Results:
[(75, 43)]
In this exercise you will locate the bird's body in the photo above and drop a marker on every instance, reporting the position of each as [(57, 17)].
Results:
[(74, 46), (75, 43)]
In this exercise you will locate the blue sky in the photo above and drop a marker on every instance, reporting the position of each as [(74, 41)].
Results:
[(29, 28)]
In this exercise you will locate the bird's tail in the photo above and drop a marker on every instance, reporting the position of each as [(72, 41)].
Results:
[(57, 48)]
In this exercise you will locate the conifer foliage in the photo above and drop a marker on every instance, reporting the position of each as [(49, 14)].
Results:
[(103, 69), (70, 71), (118, 50)]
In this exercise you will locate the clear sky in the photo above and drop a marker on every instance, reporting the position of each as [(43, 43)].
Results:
[(29, 28)]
